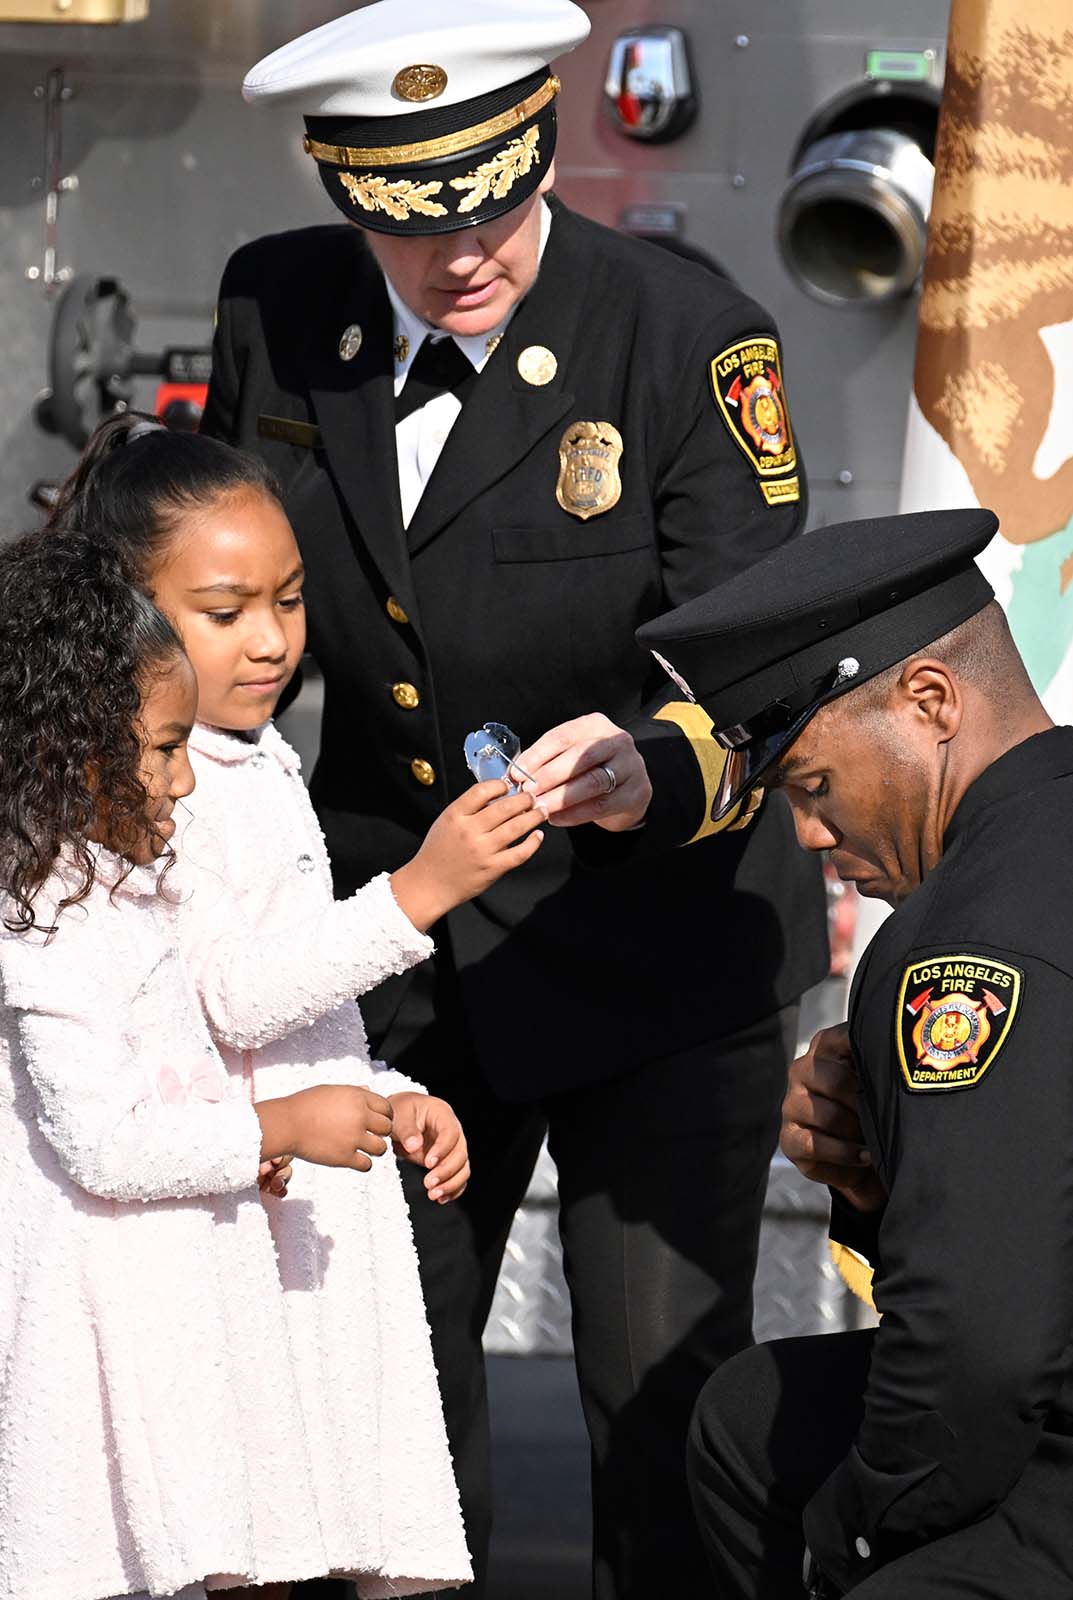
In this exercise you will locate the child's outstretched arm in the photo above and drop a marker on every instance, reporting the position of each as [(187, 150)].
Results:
[(98, 1104), (255, 988)]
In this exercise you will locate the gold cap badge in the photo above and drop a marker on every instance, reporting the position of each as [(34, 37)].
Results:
[(589, 482), (537, 365), (350, 342), (422, 82)]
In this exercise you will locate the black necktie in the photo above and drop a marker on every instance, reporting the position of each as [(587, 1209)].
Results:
[(438, 366)]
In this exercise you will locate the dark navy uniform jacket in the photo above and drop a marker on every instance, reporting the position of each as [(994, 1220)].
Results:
[(962, 1027), (498, 604)]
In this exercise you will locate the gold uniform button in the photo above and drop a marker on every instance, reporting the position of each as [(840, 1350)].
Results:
[(395, 611), (406, 696), (423, 771)]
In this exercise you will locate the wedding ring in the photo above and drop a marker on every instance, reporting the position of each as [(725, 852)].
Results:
[(612, 781)]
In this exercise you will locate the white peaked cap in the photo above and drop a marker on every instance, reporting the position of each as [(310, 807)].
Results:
[(349, 67)]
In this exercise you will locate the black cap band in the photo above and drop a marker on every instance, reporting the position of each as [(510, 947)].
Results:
[(442, 169), (876, 643)]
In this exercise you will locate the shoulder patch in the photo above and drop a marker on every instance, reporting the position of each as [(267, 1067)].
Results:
[(955, 1013), (747, 385)]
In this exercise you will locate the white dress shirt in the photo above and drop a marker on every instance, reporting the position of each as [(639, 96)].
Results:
[(421, 436)]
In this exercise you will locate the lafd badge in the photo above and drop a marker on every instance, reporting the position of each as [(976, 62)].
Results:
[(748, 389), (954, 1015), (589, 482)]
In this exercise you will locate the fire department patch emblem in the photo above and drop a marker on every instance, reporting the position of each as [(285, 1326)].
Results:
[(954, 1015), (748, 389)]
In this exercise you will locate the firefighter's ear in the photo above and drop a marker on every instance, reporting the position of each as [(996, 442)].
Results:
[(933, 695)]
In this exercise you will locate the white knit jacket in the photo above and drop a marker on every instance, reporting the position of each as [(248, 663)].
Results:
[(162, 1327)]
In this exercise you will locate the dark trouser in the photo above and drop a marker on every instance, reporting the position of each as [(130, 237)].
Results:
[(661, 1180), (773, 1424)]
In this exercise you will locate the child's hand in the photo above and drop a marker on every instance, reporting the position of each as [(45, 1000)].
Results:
[(333, 1125), (274, 1176), (427, 1132), (480, 836)]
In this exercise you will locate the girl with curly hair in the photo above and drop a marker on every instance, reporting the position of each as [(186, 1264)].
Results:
[(277, 963), (150, 1374)]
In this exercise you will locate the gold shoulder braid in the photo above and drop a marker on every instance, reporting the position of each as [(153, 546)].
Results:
[(398, 198), (498, 175)]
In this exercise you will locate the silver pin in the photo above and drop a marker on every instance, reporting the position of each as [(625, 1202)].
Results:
[(848, 668), (491, 749), (350, 343)]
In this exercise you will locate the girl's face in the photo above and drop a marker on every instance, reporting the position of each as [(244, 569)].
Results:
[(169, 707), (231, 582), (168, 712)]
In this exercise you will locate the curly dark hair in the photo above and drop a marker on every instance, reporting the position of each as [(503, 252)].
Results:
[(136, 481), (78, 646)]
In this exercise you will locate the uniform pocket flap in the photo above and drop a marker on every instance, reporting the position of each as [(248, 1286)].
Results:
[(601, 536)]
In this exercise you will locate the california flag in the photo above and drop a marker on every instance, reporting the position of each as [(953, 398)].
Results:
[(991, 418)]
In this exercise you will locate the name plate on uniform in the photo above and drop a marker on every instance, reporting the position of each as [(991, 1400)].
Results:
[(289, 431)]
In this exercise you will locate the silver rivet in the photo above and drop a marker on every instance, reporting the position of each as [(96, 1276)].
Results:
[(306, 863), (845, 477), (863, 1548), (33, 273), (738, 181), (350, 343), (742, 41)]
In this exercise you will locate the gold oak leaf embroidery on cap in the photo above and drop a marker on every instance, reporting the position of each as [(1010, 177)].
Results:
[(398, 197), (498, 175)]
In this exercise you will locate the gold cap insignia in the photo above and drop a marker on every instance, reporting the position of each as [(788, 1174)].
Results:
[(537, 365), (421, 82), (350, 342), (589, 482)]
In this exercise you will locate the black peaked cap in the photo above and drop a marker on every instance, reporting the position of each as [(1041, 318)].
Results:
[(817, 617)]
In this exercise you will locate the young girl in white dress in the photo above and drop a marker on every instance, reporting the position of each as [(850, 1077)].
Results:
[(277, 963), (153, 1435)]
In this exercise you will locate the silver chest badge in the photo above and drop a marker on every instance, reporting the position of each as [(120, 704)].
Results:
[(350, 343)]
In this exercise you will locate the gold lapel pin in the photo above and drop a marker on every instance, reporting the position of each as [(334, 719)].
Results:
[(492, 343), (402, 347), (350, 343), (537, 365)]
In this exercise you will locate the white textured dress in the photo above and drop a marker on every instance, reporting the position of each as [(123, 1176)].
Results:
[(145, 1364), (178, 1403), (277, 963)]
